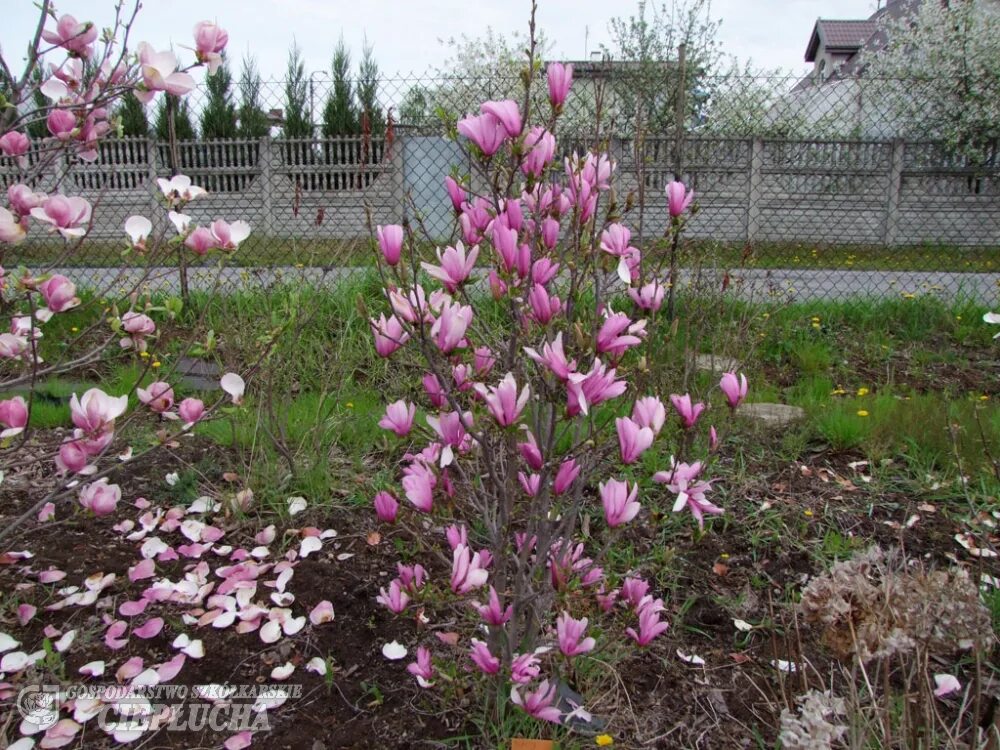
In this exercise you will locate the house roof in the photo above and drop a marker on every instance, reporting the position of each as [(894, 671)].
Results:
[(845, 36), (842, 36)]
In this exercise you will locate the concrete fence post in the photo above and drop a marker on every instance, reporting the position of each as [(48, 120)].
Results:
[(753, 188), (895, 187)]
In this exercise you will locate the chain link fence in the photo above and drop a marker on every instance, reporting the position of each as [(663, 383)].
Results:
[(805, 187)]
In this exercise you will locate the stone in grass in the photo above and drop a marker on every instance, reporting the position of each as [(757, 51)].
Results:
[(198, 374), (713, 363), (772, 415)]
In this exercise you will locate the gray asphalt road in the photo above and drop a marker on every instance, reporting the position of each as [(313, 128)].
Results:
[(783, 284)]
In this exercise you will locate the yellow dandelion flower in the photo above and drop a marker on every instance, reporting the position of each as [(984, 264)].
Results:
[(604, 740), (863, 391), (808, 513), (350, 404), (724, 555), (155, 365), (816, 326), (984, 397), (862, 413), (74, 329)]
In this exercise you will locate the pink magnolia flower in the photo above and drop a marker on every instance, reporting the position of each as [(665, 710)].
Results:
[(620, 505), (524, 668), (68, 216), (553, 357), (390, 242), (398, 418), (456, 535), (422, 668), (229, 236), (543, 306), (467, 571), (569, 632), (713, 438), (179, 189), (485, 130), (433, 389), (540, 147), (565, 476), (73, 457), (411, 576), (59, 294), (494, 613), (455, 265), (138, 229), (483, 360), (14, 143), (543, 271), (559, 78), (531, 453), (615, 240), (482, 658), (530, 484), (678, 198), (418, 483), (735, 389), (538, 703), (11, 230), (13, 416), (683, 480), (61, 124), (210, 41), (73, 36), (448, 331), (649, 626), (633, 439), (505, 244), (191, 410), (633, 591), (100, 497), (507, 112), (687, 411), (138, 326), (592, 388), (395, 599), (649, 296), (550, 232), (650, 412), (159, 73), (503, 400), (386, 507), (618, 333), (455, 192), (201, 240), (159, 396), (389, 335), (12, 347), (22, 199)]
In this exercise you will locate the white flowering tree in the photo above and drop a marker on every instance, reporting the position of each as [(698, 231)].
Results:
[(939, 75)]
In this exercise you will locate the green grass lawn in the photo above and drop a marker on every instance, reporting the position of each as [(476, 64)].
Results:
[(268, 251)]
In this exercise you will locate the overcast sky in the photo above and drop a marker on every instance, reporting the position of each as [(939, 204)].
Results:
[(406, 34)]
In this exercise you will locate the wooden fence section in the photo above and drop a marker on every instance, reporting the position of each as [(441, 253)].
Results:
[(853, 192)]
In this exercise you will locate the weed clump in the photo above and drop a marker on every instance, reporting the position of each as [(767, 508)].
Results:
[(875, 606), (815, 725)]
